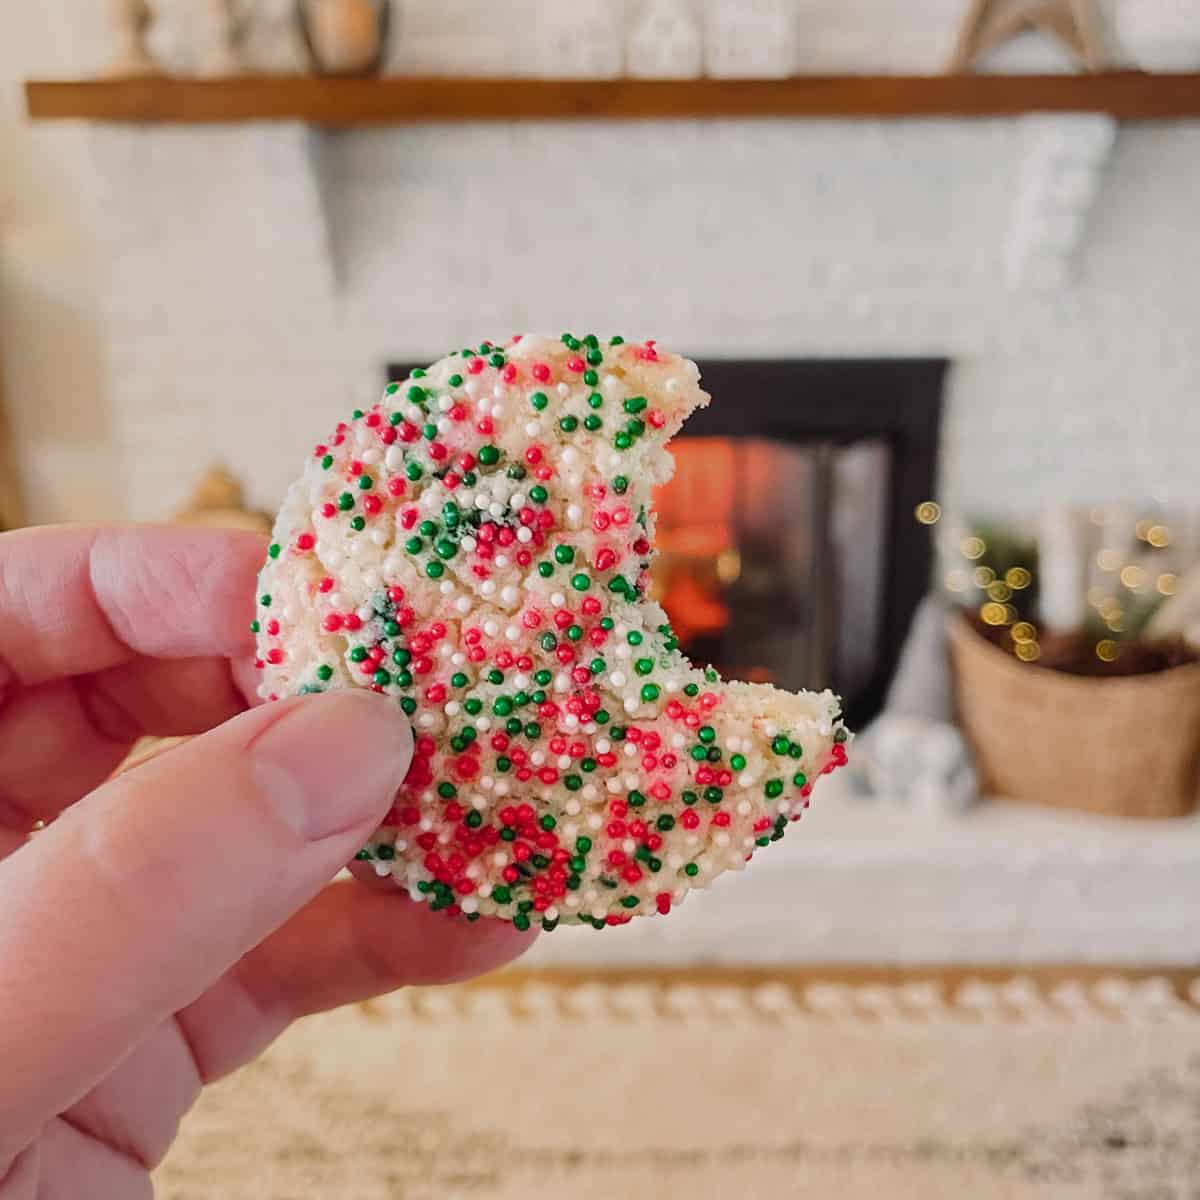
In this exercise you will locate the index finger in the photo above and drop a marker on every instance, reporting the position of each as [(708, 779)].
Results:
[(76, 599)]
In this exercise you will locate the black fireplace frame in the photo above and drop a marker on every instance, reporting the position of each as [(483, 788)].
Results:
[(838, 402)]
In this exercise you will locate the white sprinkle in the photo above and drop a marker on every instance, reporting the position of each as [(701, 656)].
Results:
[(562, 762), (538, 758), (487, 783), (463, 605), (570, 456), (631, 705), (629, 750), (745, 779), (574, 513), (446, 588), (496, 510), (499, 391), (501, 561), (589, 791), (623, 651), (513, 632), (524, 534), (678, 741), (722, 839), (509, 595), (743, 807), (469, 543), (617, 679), (594, 821), (379, 537), (481, 502), (572, 808), (570, 722), (532, 429), (562, 683), (613, 785), (366, 613), (557, 599), (483, 724), (603, 745), (425, 720), (503, 787), (563, 389), (372, 455), (491, 628), (452, 709), (487, 587), (518, 500)]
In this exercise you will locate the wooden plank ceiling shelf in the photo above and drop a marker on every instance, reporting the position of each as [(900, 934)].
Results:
[(1127, 95)]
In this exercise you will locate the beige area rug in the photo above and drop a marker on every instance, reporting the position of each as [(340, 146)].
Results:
[(712, 1088)]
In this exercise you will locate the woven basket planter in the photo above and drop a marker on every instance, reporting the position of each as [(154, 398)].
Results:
[(1127, 746)]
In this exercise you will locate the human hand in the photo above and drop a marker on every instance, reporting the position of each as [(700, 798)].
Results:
[(163, 929)]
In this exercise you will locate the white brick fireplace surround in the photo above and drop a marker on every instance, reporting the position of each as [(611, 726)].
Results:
[(253, 280)]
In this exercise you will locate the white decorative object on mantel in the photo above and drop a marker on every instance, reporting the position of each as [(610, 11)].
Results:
[(1060, 180), (1062, 569), (269, 37), (127, 23), (665, 41), (581, 40), (1155, 35), (194, 37), (750, 39)]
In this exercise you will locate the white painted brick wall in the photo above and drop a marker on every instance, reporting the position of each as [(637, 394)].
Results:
[(228, 338), (223, 334)]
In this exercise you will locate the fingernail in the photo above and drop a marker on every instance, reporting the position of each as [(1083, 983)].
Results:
[(333, 761)]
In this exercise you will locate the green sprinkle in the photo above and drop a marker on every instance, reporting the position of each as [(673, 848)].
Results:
[(595, 400), (644, 666), (635, 404), (520, 921), (455, 380), (501, 895), (416, 394), (650, 692), (473, 819), (435, 570), (365, 483), (780, 745), (489, 456), (692, 689), (538, 494), (592, 422), (539, 400), (548, 641), (580, 582), (401, 657), (564, 554), (799, 779), (620, 485), (391, 389), (345, 502), (324, 673), (665, 822), (458, 680), (773, 788), (542, 677), (327, 461), (273, 550), (358, 654), (568, 424), (545, 569), (595, 358), (633, 637), (447, 790), (474, 706), (358, 524), (574, 632), (255, 627), (414, 471), (622, 441), (446, 548), (636, 799), (591, 378), (409, 705), (414, 545), (737, 762), (629, 901), (691, 870), (706, 733), (502, 706), (382, 677)]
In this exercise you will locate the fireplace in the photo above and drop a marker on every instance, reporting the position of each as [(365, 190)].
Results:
[(788, 547)]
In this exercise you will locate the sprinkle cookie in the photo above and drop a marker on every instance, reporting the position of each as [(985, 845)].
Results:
[(476, 545)]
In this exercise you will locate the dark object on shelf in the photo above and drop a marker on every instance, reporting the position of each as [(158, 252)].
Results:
[(345, 38), (1126, 95)]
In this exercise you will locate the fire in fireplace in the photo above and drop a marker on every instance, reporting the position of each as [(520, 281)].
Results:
[(788, 548)]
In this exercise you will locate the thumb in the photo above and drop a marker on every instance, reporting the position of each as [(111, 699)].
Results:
[(142, 895)]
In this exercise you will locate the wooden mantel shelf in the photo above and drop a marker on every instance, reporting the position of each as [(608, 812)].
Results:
[(1127, 95)]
